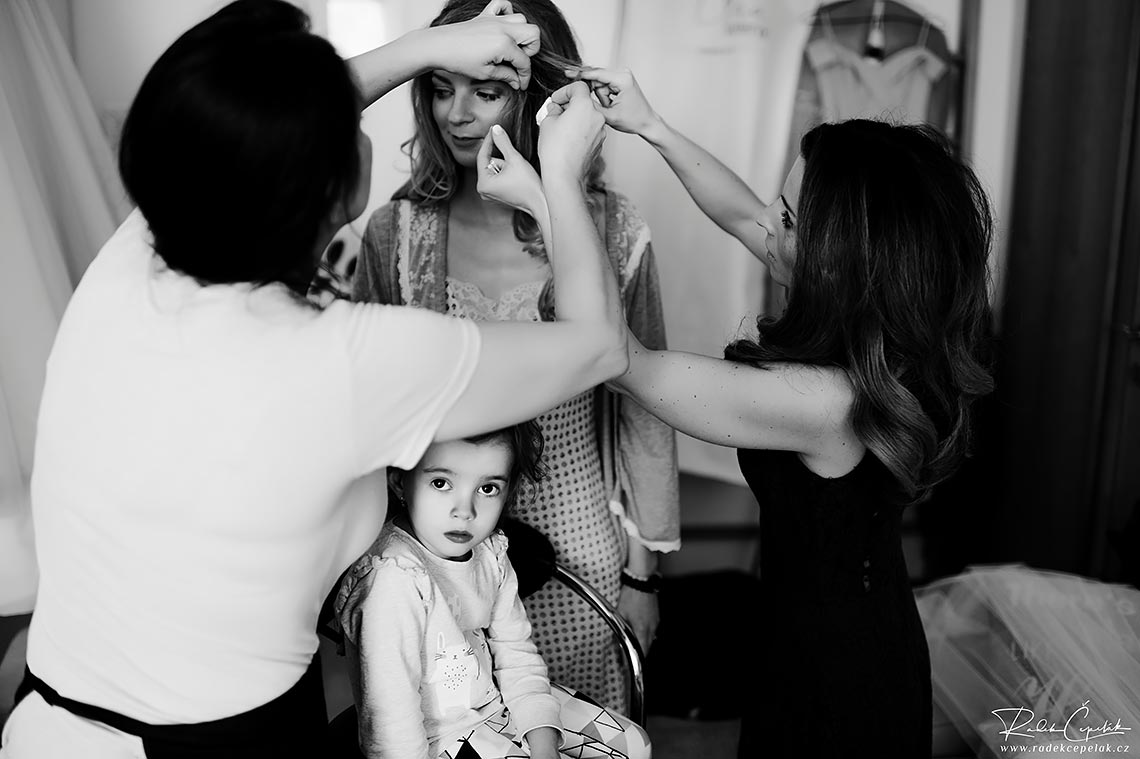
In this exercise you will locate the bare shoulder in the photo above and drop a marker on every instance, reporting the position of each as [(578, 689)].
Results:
[(835, 449), (827, 386)]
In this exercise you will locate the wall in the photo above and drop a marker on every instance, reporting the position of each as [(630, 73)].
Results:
[(116, 41), (992, 149)]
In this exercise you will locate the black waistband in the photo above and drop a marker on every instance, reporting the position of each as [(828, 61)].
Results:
[(294, 723)]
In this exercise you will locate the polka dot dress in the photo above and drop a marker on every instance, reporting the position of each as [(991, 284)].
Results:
[(571, 509)]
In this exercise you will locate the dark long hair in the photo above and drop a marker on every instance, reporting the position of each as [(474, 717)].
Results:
[(435, 175), (893, 233), (240, 143)]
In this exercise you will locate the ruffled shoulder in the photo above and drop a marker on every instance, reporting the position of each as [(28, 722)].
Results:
[(497, 544), (496, 553), (389, 557)]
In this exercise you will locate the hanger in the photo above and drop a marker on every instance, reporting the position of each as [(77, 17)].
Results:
[(885, 16), (875, 15), (876, 46)]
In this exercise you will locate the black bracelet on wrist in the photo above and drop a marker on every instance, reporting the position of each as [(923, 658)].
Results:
[(650, 584)]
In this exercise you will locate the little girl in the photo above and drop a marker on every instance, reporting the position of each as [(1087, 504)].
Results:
[(438, 641)]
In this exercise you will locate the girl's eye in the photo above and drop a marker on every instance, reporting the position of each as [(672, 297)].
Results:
[(439, 93), (490, 489), (489, 96), (439, 483), (786, 219)]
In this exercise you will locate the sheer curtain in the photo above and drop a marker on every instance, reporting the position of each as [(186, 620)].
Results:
[(60, 199)]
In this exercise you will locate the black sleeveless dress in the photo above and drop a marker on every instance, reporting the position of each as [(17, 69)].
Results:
[(844, 668)]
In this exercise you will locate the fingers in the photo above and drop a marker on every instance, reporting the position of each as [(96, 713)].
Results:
[(496, 137), (563, 95), (597, 75), (552, 109), (502, 141), (483, 157), (526, 36), (605, 84), (516, 75), (497, 8), (510, 62), (560, 99), (644, 637)]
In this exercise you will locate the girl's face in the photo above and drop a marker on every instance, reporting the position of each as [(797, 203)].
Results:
[(779, 221), (465, 110), (456, 493)]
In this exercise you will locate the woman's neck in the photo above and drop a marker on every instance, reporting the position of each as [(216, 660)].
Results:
[(467, 204), (482, 247)]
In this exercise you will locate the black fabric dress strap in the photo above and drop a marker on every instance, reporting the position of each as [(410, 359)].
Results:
[(293, 724)]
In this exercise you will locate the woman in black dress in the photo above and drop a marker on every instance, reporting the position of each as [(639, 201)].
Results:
[(851, 405)]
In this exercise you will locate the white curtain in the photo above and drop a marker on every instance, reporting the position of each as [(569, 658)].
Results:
[(60, 199)]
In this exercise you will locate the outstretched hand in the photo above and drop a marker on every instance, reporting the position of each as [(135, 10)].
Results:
[(511, 179), (573, 131), (496, 44), (623, 104)]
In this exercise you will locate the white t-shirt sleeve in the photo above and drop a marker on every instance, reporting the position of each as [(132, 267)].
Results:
[(407, 367)]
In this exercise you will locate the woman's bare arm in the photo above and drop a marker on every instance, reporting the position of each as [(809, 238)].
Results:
[(787, 407), (717, 190), (496, 44), (525, 369)]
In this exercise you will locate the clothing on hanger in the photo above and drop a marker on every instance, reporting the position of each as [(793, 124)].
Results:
[(912, 80), (852, 85)]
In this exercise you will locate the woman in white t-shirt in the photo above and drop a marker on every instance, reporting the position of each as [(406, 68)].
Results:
[(211, 447)]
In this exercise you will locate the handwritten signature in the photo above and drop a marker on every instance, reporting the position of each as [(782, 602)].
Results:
[(1071, 732)]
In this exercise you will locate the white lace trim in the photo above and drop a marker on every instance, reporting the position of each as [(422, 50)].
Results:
[(516, 304), (660, 546), (404, 211), (636, 253)]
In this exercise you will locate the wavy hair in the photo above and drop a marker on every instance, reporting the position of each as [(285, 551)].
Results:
[(526, 443), (893, 234), (435, 174)]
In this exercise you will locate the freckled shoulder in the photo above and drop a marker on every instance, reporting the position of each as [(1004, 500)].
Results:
[(837, 449)]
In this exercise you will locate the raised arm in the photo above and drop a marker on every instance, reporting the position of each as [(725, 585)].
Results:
[(497, 44), (788, 407), (526, 369), (718, 191)]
